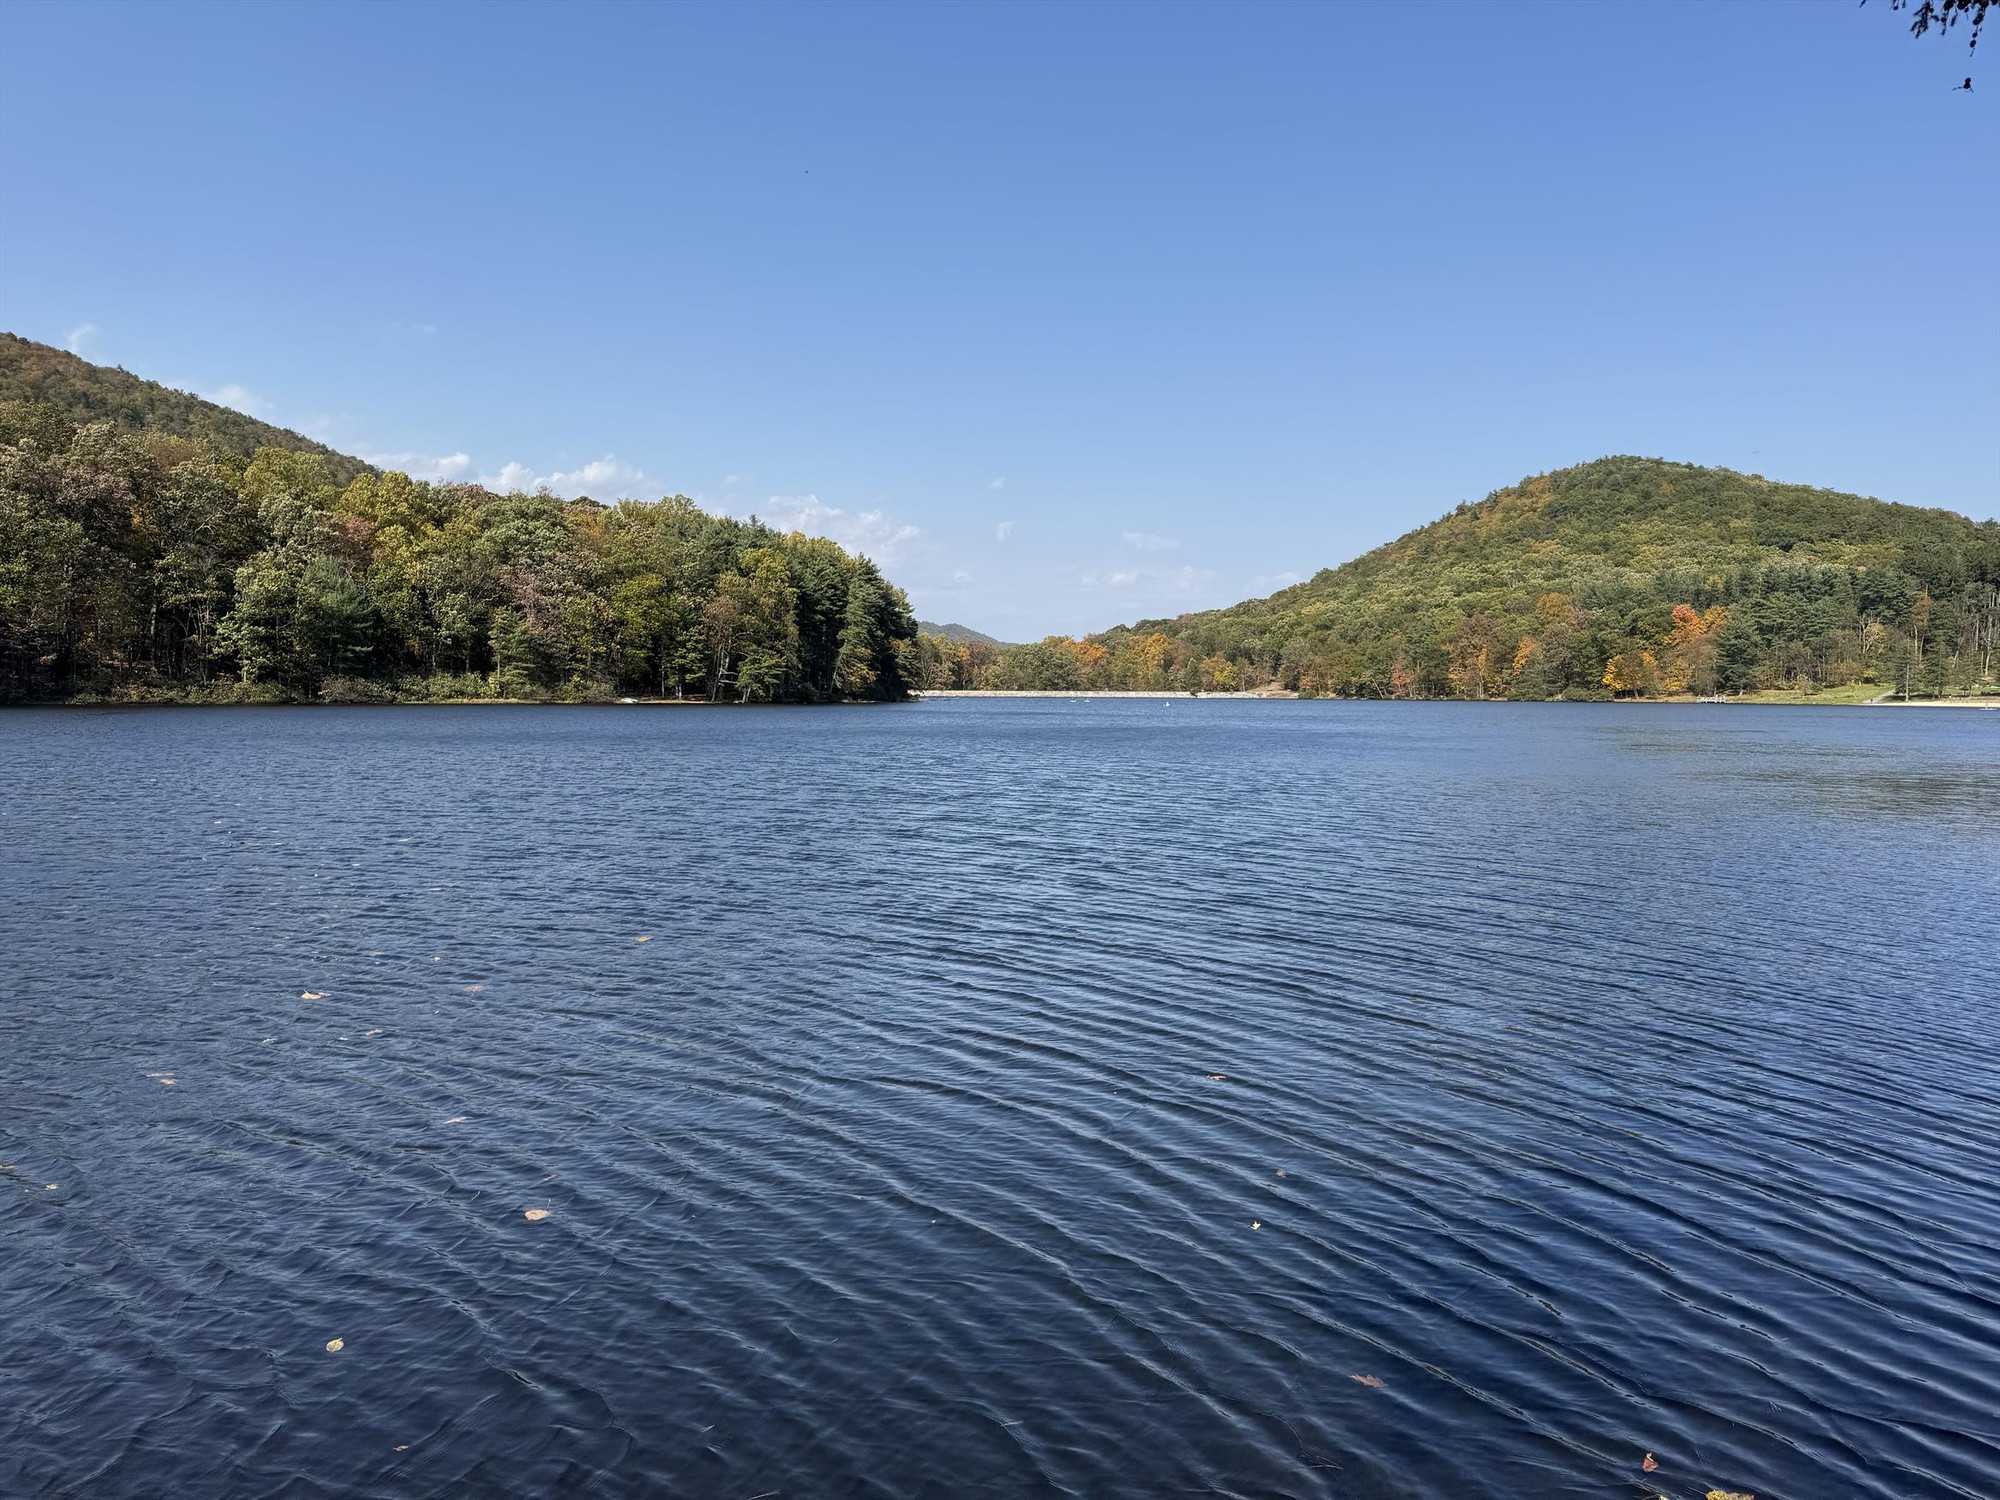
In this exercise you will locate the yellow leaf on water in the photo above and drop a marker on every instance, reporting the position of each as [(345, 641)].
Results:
[(1374, 1382), (334, 1346), (647, 939), (49, 1186), (534, 1215), (1730, 1495), (312, 994), (167, 1082)]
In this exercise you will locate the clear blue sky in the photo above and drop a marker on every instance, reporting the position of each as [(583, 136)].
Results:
[(1070, 315)]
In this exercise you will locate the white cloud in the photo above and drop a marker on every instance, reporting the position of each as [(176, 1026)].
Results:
[(452, 468), (998, 484), (1147, 541), (1004, 530), (607, 478), (80, 338), (865, 531), (1115, 578), (238, 398)]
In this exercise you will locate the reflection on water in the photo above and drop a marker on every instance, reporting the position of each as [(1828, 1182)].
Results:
[(1000, 1098)]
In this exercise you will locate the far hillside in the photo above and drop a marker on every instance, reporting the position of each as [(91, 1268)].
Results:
[(1621, 577), (959, 635), (81, 392)]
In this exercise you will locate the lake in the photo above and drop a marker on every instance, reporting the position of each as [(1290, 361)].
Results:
[(1000, 1098)]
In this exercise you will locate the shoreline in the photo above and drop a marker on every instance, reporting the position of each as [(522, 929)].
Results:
[(1275, 694), (1990, 702), (1089, 693)]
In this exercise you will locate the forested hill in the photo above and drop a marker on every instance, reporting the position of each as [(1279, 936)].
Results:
[(158, 566), (1626, 576), (959, 635), (82, 392)]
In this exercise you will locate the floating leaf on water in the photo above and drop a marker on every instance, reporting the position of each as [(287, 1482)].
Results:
[(312, 994), (473, 989), (646, 939), (535, 1215), (1281, 1171), (1215, 1077), (373, 1031), (167, 1082), (1373, 1382), (1254, 1224), (456, 1120), (1650, 1464), (49, 1186), (334, 1346), (402, 1447), (1729, 1495)]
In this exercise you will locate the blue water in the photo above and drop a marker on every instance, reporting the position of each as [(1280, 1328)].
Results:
[(1600, 1080)]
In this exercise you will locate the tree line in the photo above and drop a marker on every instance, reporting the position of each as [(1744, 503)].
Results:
[(154, 566)]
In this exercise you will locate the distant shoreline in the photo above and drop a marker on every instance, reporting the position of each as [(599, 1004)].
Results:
[(1991, 702), (1088, 693)]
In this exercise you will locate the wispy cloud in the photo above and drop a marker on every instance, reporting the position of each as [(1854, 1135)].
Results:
[(428, 330), (451, 468), (238, 398), (80, 339), (607, 478), (1150, 581), (1004, 530), (1147, 541), (866, 531), (998, 484)]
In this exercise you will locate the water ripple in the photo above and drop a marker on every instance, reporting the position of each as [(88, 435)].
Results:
[(1005, 1098)]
